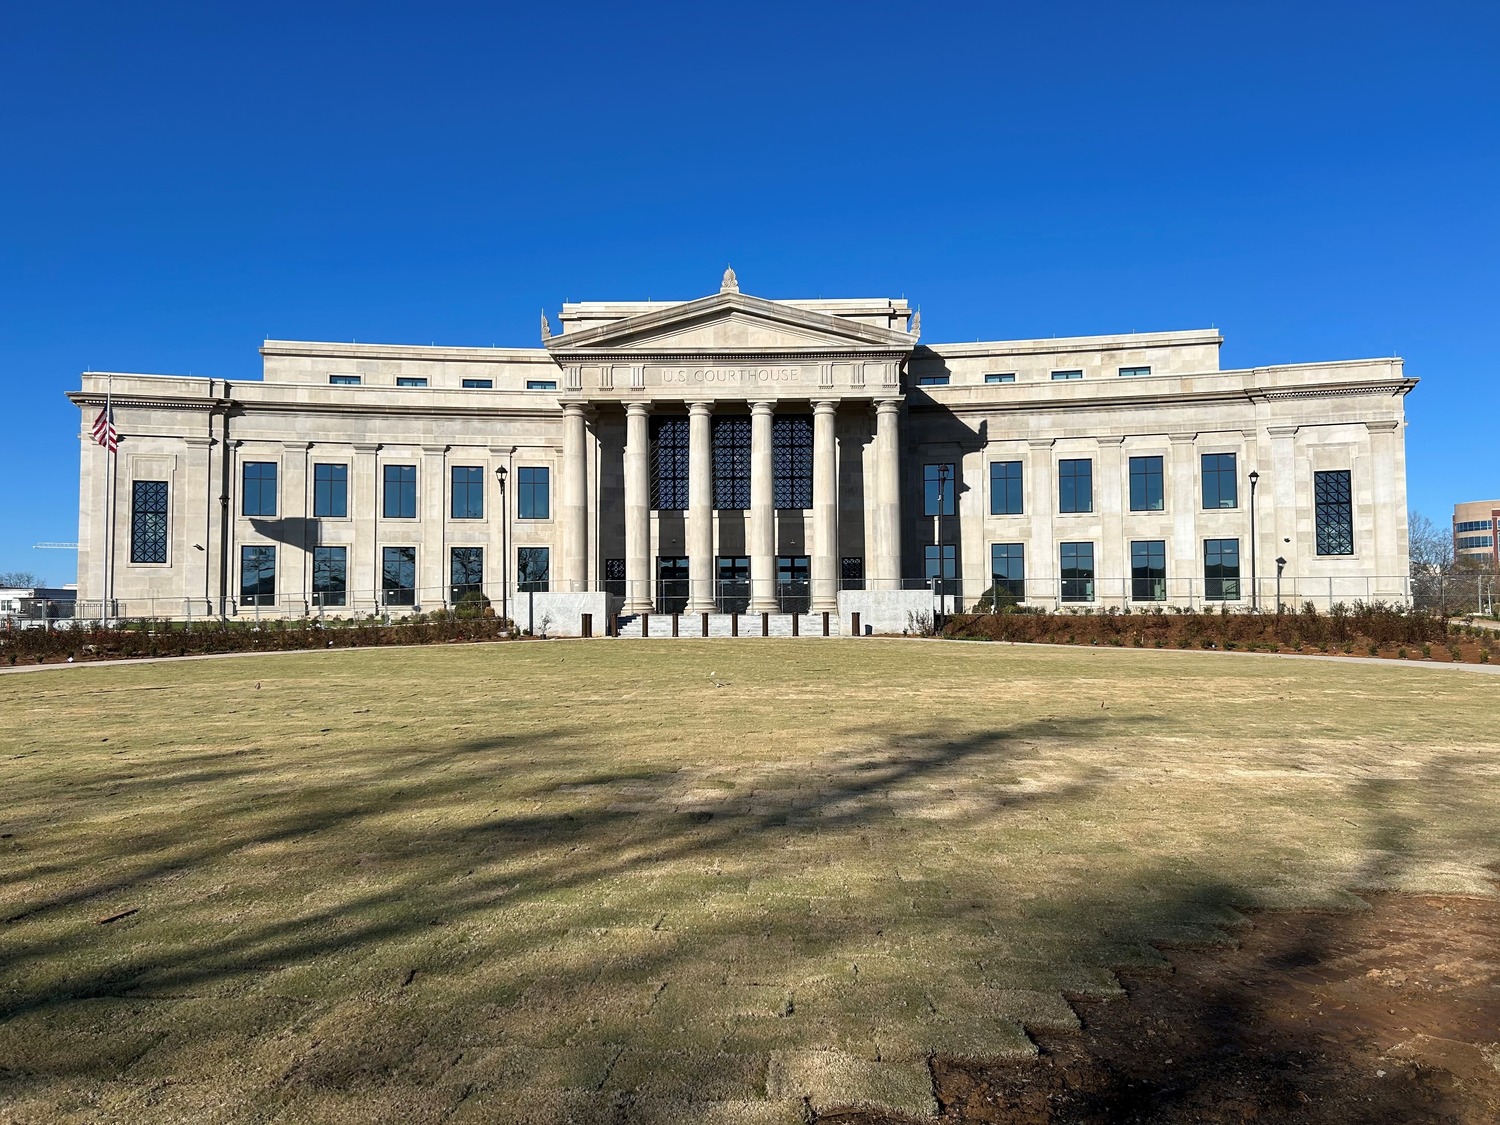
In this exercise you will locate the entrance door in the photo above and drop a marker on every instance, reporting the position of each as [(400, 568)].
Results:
[(671, 583), (793, 583), (732, 590)]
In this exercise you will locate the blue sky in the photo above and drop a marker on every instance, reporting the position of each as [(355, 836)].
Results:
[(1320, 181)]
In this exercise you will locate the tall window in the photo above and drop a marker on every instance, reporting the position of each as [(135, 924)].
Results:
[(669, 464), (852, 572), (534, 492), (400, 501), (731, 445), (936, 480), (330, 575), (1221, 570), (1146, 489), (948, 569), (1005, 488), (465, 572), (614, 577), (1008, 569), (792, 461), (331, 491), (1075, 485), (468, 492), (1221, 487), (148, 521), (1148, 571), (1333, 512), (1077, 571), (258, 575), (258, 494), (398, 575), (533, 568)]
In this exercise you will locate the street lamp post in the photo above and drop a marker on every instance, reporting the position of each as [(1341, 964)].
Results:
[(1254, 585), (1280, 566), (937, 533), (504, 547)]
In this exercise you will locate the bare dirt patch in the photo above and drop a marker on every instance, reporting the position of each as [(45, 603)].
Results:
[(1386, 1015)]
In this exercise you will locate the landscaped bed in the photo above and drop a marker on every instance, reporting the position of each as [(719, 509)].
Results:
[(668, 881)]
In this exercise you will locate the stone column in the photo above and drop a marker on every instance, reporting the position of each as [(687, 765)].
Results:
[(762, 545), (825, 563), (700, 529), (885, 517), (637, 508), (575, 482)]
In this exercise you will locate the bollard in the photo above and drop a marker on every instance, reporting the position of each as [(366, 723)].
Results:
[(765, 624), (705, 623), (854, 626), (674, 624), (645, 624), (825, 623), (796, 625), (734, 624), (588, 625), (614, 625)]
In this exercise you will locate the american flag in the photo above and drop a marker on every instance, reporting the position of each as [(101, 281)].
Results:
[(104, 430)]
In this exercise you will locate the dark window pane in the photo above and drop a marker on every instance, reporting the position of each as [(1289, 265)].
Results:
[(1221, 570), (258, 575), (792, 461), (731, 445), (1220, 481), (1148, 571), (1077, 572), (1333, 507), (793, 591), (465, 572), (851, 573), (259, 488), (330, 577), (400, 500), (614, 577), (410, 381), (1005, 488), (148, 521), (331, 491), (938, 480), (468, 492), (1075, 486), (1008, 570), (478, 384), (671, 583), (534, 492), (1146, 488), (949, 566), (669, 464), (533, 569), (398, 575)]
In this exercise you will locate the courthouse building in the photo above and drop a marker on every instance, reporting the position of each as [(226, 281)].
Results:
[(734, 454)]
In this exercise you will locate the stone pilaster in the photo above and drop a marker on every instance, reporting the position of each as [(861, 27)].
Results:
[(824, 562), (700, 529), (637, 508)]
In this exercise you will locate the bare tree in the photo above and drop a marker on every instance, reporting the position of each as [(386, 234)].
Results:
[(1431, 546), (21, 579)]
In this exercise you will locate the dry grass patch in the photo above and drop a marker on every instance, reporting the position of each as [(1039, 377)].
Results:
[(570, 881)]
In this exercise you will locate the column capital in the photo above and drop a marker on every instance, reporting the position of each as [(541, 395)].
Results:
[(703, 409), (640, 409), (887, 405), (576, 409), (825, 406), (763, 408), (1182, 439)]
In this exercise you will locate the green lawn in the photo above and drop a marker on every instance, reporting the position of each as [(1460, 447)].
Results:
[(578, 881)]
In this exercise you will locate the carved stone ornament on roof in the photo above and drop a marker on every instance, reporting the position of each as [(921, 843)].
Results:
[(730, 284), (546, 328)]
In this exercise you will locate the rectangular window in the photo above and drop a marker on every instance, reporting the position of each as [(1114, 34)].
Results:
[(343, 380), (465, 573), (410, 381), (1075, 485), (534, 492), (792, 461), (148, 521), (257, 575), (938, 488), (949, 570), (669, 464), (1221, 488), (793, 578), (1005, 488), (1128, 372), (541, 384), (400, 501), (398, 575), (478, 384), (258, 491), (331, 491), (330, 576), (1333, 512), (731, 448), (533, 569), (1146, 488), (1077, 572), (1000, 377), (932, 380), (614, 577), (1073, 374), (851, 573), (1148, 571), (1470, 542), (1221, 570), (1473, 525), (1008, 571), (467, 501)]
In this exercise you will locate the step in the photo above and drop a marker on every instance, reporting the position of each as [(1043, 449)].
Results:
[(690, 625)]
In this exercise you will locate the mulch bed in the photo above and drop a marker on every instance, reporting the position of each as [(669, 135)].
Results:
[(1387, 1015)]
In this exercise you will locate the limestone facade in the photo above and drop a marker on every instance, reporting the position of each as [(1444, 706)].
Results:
[(731, 449)]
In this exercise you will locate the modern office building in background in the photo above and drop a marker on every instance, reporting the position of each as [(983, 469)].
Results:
[(1476, 533), (733, 453)]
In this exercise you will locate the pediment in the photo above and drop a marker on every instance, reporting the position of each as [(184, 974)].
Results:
[(730, 323)]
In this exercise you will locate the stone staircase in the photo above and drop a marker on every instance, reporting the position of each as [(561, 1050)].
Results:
[(690, 625)]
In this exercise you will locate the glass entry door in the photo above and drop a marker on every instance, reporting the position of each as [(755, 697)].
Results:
[(793, 583), (671, 583), (732, 590)]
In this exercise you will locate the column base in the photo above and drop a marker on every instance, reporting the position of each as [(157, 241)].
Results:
[(641, 606), (701, 607)]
